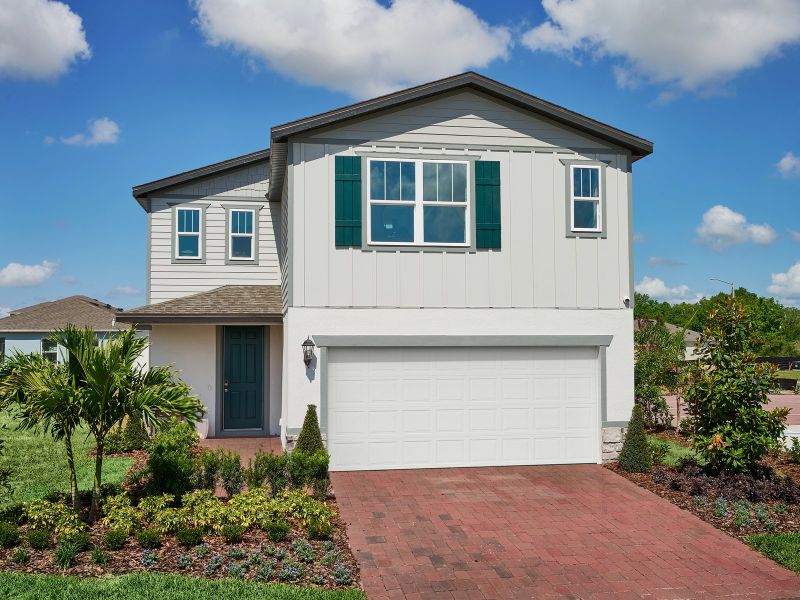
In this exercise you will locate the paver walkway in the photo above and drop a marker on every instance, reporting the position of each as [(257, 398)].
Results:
[(539, 532)]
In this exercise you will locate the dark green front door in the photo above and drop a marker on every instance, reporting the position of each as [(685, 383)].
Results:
[(243, 371)]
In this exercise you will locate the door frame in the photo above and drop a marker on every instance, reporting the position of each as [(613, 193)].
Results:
[(263, 431)]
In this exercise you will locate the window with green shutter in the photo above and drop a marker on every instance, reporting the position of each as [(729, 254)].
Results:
[(487, 204), (348, 201)]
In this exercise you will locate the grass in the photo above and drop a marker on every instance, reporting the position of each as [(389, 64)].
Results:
[(789, 374), (40, 464), (675, 453), (783, 548), (145, 586)]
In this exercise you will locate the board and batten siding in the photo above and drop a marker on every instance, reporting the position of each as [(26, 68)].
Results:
[(538, 266), (242, 187)]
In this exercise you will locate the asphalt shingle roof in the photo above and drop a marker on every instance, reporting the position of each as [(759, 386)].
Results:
[(80, 311)]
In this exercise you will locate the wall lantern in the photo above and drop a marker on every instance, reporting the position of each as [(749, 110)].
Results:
[(308, 351)]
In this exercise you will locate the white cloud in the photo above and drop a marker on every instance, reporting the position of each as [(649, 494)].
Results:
[(786, 285), (795, 235), (723, 227), (125, 290), (39, 39), (98, 131), (4, 311), (662, 261), (789, 165), (685, 44), (359, 47), (656, 288), (69, 279), (17, 275)]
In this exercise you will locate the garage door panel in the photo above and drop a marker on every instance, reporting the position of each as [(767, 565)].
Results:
[(417, 407)]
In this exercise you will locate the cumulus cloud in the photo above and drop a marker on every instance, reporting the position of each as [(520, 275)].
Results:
[(786, 285), (125, 290), (662, 261), (795, 235), (656, 288), (684, 44), (18, 275), (41, 39), (789, 165), (98, 131), (360, 47), (722, 227)]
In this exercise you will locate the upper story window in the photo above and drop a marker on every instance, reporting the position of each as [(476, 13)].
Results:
[(418, 202), (242, 238), (50, 350), (586, 198), (188, 233)]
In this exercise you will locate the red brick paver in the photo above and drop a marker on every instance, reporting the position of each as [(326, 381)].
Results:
[(576, 531)]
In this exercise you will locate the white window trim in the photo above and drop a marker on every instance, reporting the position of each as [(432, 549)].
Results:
[(43, 353), (419, 204), (251, 235), (573, 198), (199, 234)]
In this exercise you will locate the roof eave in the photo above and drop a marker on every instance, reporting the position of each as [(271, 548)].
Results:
[(143, 319)]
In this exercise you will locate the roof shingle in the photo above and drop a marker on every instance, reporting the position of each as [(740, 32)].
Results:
[(80, 311)]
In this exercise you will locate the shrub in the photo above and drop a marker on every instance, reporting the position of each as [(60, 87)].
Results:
[(189, 537), (149, 538), (232, 533), (316, 473), (21, 557), (114, 538), (80, 539), (171, 462), (659, 449), (169, 520), (310, 438), (120, 514), (206, 469), (13, 513), (204, 510), (65, 553), (252, 507), (296, 470), (99, 557), (726, 391), (151, 506), (277, 531), (636, 456), (230, 472), (275, 467), (318, 528), (794, 450), (40, 539), (56, 516), (9, 535), (257, 469), (127, 437), (659, 357)]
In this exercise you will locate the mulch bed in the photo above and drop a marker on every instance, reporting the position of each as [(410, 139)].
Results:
[(777, 516)]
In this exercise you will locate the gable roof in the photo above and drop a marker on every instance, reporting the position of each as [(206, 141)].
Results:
[(689, 335), (142, 190), (229, 303), (80, 311)]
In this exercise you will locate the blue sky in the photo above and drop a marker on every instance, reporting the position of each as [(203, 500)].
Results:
[(130, 91)]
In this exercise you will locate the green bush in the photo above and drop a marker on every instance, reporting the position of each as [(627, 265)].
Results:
[(659, 358), (659, 449), (171, 464), (316, 473), (232, 533), (21, 557), (275, 467), (80, 539), (114, 539), (152, 506), (9, 535), (310, 438), (794, 450), (189, 537), (296, 469), (128, 437), (149, 538), (230, 472), (40, 539), (278, 530), (204, 510), (120, 514), (318, 528), (13, 513), (636, 455), (206, 469), (255, 475), (55, 516), (65, 553), (99, 557)]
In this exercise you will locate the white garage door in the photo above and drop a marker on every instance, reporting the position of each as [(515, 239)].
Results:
[(394, 408)]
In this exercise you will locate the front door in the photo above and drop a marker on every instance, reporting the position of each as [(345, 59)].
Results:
[(243, 372)]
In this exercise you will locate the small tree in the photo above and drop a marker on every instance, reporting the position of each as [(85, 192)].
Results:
[(310, 438), (636, 455), (725, 393), (659, 356)]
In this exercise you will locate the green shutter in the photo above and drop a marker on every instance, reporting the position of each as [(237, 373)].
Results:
[(348, 201), (487, 204)]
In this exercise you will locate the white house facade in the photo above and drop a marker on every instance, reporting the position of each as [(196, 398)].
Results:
[(458, 253)]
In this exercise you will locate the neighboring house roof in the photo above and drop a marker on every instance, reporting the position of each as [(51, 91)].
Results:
[(229, 303), (142, 190), (80, 311), (689, 336)]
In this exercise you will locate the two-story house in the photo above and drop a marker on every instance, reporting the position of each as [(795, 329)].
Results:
[(459, 255)]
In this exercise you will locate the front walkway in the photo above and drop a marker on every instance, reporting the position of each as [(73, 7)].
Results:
[(245, 446), (539, 532)]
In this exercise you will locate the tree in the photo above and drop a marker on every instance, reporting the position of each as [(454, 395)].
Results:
[(113, 385), (726, 391), (310, 438), (659, 356), (636, 455), (44, 395)]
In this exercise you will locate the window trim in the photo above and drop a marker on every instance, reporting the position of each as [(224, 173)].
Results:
[(43, 353), (419, 204), (229, 208), (201, 258), (571, 231)]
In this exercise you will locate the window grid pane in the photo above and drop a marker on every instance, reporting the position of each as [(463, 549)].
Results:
[(586, 182), (585, 214), (188, 220)]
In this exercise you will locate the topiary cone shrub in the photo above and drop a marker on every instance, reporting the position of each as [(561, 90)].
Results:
[(310, 438), (636, 456)]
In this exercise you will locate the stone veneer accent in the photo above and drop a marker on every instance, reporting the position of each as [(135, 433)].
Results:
[(612, 442)]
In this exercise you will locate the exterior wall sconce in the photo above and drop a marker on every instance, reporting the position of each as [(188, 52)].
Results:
[(308, 351)]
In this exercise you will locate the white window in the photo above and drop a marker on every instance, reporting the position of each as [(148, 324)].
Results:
[(188, 233), (241, 245), (585, 198), (418, 202), (50, 350)]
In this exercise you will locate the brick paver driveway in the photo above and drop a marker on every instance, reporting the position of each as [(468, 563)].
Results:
[(539, 532)]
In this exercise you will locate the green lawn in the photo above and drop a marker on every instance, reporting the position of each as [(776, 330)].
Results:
[(40, 464), (783, 548), (789, 374), (676, 451), (146, 586)]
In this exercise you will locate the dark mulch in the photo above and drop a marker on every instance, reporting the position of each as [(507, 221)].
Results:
[(128, 559)]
